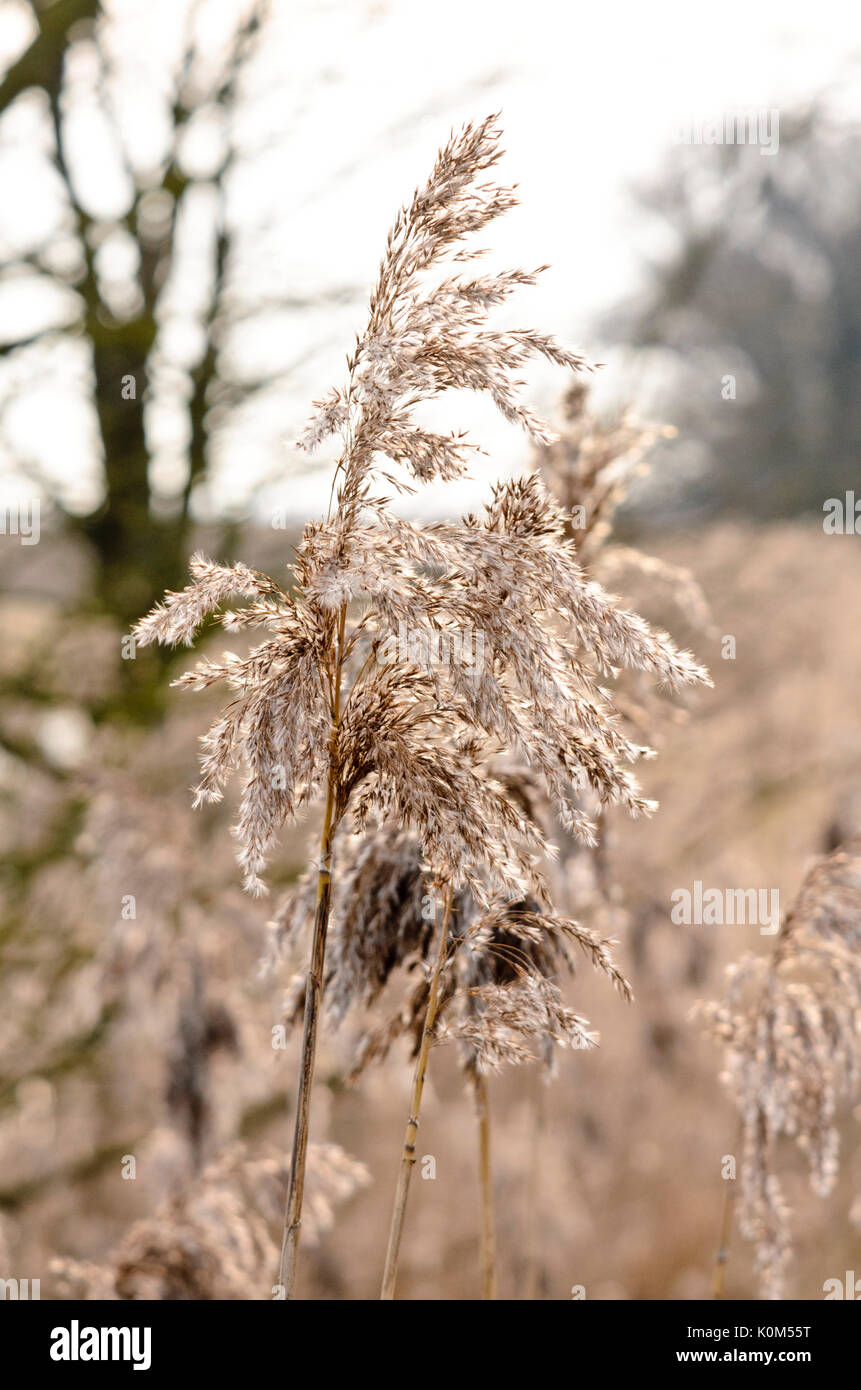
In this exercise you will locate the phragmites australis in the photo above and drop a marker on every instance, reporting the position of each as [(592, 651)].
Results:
[(217, 1239), (590, 469), (791, 1026), (499, 995), (322, 710), (498, 991)]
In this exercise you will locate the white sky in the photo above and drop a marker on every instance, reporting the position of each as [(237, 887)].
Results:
[(350, 102)]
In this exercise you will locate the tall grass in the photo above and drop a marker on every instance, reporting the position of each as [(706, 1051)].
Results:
[(319, 712)]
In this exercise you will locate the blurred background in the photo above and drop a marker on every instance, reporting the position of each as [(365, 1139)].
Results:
[(193, 200)]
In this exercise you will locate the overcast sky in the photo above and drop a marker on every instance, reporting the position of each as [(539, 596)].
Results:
[(351, 101)]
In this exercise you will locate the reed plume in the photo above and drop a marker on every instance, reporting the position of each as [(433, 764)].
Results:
[(590, 468), (320, 710), (217, 1238), (487, 998), (790, 1027)]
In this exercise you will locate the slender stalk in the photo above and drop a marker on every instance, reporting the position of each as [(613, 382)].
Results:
[(532, 1214), (488, 1225), (722, 1252), (408, 1158), (313, 998)]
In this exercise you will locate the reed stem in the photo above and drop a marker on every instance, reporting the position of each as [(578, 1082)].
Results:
[(722, 1252), (532, 1276), (313, 997), (408, 1158), (488, 1225)]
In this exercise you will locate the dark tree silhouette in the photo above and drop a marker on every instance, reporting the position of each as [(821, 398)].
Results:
[(138, 549), (761, 286)]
